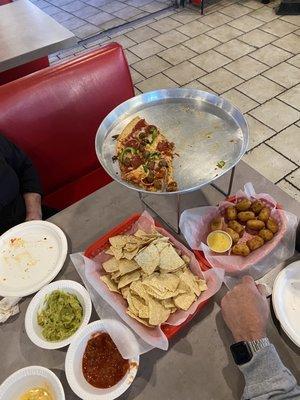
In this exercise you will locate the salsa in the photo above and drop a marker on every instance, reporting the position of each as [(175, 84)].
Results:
[(102, 364)]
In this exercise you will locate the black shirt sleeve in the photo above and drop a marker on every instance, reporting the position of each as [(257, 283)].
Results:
[(22, 165)]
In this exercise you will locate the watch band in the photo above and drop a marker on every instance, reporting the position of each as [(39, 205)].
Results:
[(256, 345)]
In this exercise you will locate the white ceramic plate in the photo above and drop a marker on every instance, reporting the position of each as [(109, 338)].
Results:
[(34, 331), (73, 363), (28, 378), (31, 255), (286, 300)]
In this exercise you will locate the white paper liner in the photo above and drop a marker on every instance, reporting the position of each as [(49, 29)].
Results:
[(194, 225), (153, 336)]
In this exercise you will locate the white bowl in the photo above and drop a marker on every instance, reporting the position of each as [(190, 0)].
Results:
[(73, 363), (34, 331), (27, 378)]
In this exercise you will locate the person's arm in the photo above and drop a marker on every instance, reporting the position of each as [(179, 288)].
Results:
[(246, 311), (29, 181)]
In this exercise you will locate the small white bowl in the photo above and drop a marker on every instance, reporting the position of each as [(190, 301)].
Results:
[(223, 233), (28, 378), (73, 363), (34, 331)]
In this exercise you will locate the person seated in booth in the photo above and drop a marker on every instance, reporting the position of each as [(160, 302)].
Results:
[(20, 188)]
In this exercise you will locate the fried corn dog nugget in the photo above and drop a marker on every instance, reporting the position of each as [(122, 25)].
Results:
[(264, 214), (255, 243), (266, 234), (243, 205), (257, 206), (216, 224), (231, 213), (246, 215), (234, 235), (255, 224), (272, 225), (236, 226), (240, 249)]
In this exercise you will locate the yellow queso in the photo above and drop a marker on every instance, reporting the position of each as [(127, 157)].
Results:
[(36, 394), (219, 241)]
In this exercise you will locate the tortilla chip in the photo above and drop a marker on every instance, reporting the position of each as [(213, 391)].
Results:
[(128, 278), (109, 283), (126, 266), (139, 304), (157, 313), (190, 279), (170, 281), (129, 255), (111, 265), (109, 251), (125, 290), (132, 307), (201, 284), (148, 259), (184, 300), (139, 289), (118, 241), (118, 253), (142, 321), (168, 303), (186, 259), (170, 260)]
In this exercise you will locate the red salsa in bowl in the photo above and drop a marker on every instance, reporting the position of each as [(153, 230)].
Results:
[(102, 364)]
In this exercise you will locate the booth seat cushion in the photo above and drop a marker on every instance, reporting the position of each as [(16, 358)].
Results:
[(54, 114)]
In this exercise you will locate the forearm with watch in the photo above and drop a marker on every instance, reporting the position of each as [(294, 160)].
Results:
[(245, 311)]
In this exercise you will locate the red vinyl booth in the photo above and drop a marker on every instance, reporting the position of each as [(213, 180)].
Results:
[(54, 114), (24, 69)]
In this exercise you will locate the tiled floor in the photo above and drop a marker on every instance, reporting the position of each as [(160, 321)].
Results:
[(240, 50), (88, 17)]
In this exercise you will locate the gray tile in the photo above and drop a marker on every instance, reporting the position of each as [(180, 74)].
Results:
[(131, 58), (113, 6), (170, 39), (241, 101), (289, 43), (257, 38), (279, 28), (276, 114), (147, 49), (254, 4), (221, 80), (74, 23), (51, 10), (159, 81), (186, 16), (264, 14), (215, 19), (177, 54), (100, 18), (73, 6), (210, 60), (235, 10), (287, 142), (271, 55), (224, 33), (246, 67), (295, 61), (124, 41), (153, 7), (269, 163), (127, 12), (142, 34), (136, 76), (260, 89), (151, 66), (86, 30), (245, 23), (293, 19), (193, 28), (285, 74), (97, 3), (291, 97), (112, 23), (184, 72), (165, 25), (201, 43), (199, 86), (93, 42), (258, 132), (294, 178), (138, 3), (62, 16), (85, 12), (289, 189), (57, 3), (234, 49)]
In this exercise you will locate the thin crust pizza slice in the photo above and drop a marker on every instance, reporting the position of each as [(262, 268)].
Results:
[(145, 157)]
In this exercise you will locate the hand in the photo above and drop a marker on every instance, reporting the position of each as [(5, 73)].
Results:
[(245, 310)]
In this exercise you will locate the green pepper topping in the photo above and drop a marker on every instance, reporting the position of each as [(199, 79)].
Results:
[(154, 134), (127, 150), (155, 154), (146, 169), (221, 164)]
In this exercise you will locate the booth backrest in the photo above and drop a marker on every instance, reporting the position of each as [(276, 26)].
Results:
[(53, 114)]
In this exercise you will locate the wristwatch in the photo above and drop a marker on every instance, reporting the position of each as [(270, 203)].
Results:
[(243, 352)]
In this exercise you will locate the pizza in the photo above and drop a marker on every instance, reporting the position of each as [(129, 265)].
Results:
[(145, 157)]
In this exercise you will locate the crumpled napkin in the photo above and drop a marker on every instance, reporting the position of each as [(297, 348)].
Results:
[(8, 307)]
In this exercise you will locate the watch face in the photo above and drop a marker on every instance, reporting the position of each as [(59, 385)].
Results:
[(241, 353)]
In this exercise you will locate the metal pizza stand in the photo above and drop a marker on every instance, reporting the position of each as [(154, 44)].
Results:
[(210, 136)]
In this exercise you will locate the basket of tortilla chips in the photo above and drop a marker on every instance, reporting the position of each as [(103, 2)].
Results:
[(153, 282)]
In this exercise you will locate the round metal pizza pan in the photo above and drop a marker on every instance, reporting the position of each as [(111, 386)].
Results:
[(206, 129)]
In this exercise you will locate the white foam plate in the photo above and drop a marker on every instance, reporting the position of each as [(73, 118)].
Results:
[(286, 300), (73, 363), (28, 378), (31, 255), (34, 331)]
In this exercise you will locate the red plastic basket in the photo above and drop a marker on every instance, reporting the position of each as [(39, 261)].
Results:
[(103, 242)]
